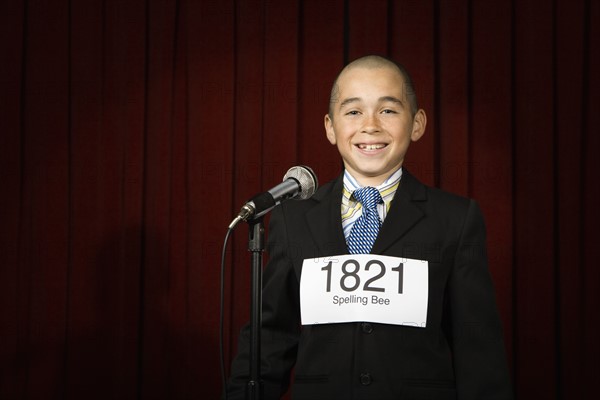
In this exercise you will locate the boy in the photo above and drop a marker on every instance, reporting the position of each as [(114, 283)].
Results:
[(456, 351)]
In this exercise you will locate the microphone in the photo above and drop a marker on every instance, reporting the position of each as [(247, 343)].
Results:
[(299, 183)]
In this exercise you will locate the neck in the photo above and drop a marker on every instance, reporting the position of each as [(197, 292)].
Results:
[(373, 181)]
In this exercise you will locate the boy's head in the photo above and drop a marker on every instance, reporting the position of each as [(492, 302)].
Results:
[(373, 61), (373, 116)]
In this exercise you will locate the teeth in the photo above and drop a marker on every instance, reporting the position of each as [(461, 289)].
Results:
[(371, 146)]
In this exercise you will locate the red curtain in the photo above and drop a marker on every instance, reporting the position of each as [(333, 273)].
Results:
[(132, 131)]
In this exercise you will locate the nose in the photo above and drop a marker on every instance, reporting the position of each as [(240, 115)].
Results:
[(370, 124)]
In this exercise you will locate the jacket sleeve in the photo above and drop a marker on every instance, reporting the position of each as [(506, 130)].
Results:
[(280, 321), (477, 343)]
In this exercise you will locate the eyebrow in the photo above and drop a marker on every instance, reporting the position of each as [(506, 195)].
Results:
[(349, 100), (381, 99), (391, 99)]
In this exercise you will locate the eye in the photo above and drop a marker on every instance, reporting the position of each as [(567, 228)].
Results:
[(389, 111), (352, 112)]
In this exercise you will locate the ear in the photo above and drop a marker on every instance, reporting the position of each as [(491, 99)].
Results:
[(329, 129), (419, 124)]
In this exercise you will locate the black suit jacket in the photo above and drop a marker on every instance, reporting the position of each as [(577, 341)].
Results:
[(459, 355)]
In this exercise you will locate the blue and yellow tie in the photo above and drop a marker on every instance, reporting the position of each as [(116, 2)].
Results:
[(365, 229)]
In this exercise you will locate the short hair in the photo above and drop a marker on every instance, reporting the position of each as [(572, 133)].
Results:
[(375, 61)]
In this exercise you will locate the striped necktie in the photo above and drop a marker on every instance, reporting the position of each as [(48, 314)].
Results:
[(365, 229)]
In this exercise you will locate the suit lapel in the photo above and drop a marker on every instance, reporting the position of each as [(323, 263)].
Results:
[(325, 220), (404, 212)]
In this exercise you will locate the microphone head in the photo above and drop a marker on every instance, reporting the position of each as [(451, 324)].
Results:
[(306, 179)]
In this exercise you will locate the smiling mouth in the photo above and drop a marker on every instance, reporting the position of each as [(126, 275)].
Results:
[(377, 146)]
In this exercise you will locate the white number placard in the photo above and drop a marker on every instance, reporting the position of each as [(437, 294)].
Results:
[(364, 288)]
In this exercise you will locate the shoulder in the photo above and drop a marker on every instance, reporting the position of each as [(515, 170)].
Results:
[(419, 191), (437, 202), (443, 198), (331, 191)]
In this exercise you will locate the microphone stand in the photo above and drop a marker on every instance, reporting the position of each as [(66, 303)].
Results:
[(256, 246)]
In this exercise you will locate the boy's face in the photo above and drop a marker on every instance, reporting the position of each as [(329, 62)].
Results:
[(372, 123)]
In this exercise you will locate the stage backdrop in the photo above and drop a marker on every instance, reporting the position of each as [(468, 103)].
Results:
[(132, 131)]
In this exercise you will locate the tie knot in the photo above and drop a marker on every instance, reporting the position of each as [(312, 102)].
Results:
[(368, 196)]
